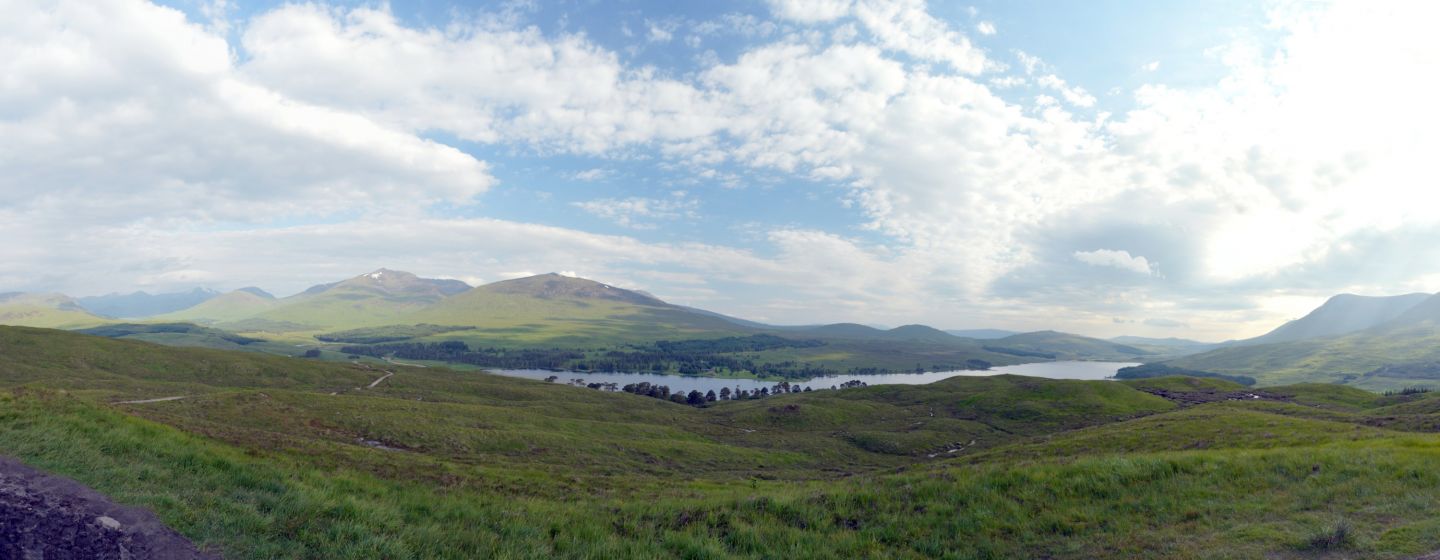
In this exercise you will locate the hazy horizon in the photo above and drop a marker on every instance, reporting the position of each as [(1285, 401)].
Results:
[(1163, 170)]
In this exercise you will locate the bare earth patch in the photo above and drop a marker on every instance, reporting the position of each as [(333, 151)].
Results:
[(44, 516)]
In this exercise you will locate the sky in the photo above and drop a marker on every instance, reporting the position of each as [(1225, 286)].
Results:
[(1160, 168)]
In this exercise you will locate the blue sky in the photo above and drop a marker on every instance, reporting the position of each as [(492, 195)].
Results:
[(1158, 168)]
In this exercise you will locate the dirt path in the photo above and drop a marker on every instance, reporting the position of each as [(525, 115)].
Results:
[(162, 399), (382, 378), (46, 516)]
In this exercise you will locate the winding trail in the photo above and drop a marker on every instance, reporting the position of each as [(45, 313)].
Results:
[(382, 378), (161, 399)]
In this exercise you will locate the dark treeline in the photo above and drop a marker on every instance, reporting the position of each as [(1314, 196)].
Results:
[(657, 360), (459, 352), (1145, 371), (696, 398), (753, 343), (687, 357), (1020, 352)]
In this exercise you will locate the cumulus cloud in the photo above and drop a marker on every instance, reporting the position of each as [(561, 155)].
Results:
[(116, 110), (1122, 260), (122, 120), (985, 28)]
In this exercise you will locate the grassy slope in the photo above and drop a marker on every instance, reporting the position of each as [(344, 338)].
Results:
[(51, 311), (345, 307), (1074, 347), (1326, 360), (266, 463), (228, 307), (513, 319)]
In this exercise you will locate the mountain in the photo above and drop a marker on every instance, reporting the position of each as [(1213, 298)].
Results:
[(142, 304), (1064, 346), (1400, 340), (1172, 344), (982, 334), (855, 331), (229, 307), (56, 311), (562, 310), (256, 291), (1427, 311), (1341, 314), (381, 297)]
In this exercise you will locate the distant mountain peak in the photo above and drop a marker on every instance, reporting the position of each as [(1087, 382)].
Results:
[(559, 286), (1343, 314), (257, 292), (394, 281)]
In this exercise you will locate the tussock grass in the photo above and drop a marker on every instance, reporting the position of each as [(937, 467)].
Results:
[(263, 462)]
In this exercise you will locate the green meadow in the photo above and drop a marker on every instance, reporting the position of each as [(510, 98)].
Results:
[(274, 457)]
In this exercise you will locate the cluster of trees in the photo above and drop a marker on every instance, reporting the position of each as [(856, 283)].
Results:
[(686, 357), (696, 398), (752, 343), (1020, 352), (391, 333), (1145, 371), (459, 352)]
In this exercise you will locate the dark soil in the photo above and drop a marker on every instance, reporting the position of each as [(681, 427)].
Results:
[(46, 517), (1187, 398)]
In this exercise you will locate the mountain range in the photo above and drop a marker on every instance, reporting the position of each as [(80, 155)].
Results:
[(142, 304), (1380, 343), (552, 311)]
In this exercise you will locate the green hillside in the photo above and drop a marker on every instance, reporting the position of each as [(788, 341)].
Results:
[(1340, 315), (225, 308), (382, 297), (1365, 359), (53, 311), (269, 457), (555, 310), (1064, 346)]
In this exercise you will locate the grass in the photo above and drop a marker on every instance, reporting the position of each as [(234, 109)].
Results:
[(1344, 359), (264, 462)]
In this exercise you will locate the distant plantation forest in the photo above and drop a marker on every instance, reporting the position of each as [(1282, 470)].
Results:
[(686, 357)]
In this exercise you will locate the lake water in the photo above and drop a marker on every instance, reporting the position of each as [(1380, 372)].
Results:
[(1052, 370)]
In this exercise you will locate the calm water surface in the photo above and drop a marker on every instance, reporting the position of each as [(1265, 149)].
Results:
[(1052, 370)]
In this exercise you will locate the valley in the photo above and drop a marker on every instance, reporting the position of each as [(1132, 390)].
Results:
[(276, 457), (364, 418), (564, 323)]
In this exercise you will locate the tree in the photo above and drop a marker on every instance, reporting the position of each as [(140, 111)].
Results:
[(677, 398), (312, 353), (710, 396), (695, 398), (552, 378), (724, 393)]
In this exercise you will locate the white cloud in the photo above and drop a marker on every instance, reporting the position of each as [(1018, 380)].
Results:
[(661, 31), (641, 213), (128, 120), (477, 81), (1073, 95), (593, 174), (811, 11), (906, 26), (985, 28), (1122, 260), (120, 110), (1151, 66)]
